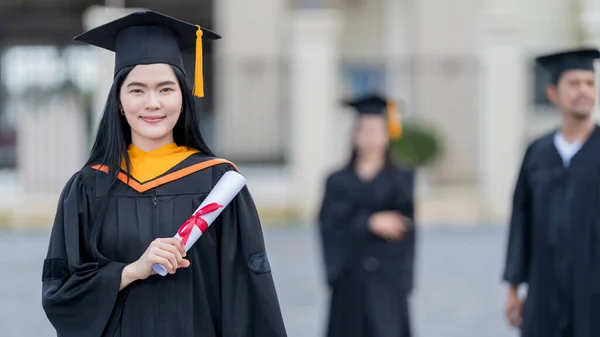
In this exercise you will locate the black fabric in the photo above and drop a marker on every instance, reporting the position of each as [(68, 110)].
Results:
[(259, 263), (553, 238), (371, 104), (557, 63), (54, 269), (146, 37), (370, 278), (219, 295)]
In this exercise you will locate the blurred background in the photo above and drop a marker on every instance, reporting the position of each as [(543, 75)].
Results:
[(462, 71)]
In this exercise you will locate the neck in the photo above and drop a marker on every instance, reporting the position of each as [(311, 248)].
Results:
[(368, 165), (148, 145), (574, 130)]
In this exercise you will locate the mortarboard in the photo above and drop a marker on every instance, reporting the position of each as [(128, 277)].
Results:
[(557, 63), (374, 104), (147, 37)]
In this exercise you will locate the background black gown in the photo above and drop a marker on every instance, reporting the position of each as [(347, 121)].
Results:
[(370, 278), (554, 240), (227, 291)]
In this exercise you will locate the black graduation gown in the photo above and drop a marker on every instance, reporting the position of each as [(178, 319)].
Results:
[(227, 291), (554, 240), (370, 278)]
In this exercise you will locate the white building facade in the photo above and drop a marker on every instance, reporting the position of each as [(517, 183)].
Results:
[(282, 67)]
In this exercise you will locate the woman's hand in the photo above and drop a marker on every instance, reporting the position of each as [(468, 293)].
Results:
[(168, 252), (389, 225)]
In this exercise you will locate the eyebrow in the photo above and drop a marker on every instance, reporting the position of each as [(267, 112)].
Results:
[(144, 85)]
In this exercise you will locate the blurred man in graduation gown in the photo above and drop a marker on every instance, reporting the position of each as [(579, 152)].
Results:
[(367, 231), (148, 171), (554, 235)]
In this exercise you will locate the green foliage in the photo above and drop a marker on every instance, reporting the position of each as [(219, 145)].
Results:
[(420, 145)]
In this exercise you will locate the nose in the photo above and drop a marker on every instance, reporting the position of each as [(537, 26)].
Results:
[(587, 92), (152, 103)]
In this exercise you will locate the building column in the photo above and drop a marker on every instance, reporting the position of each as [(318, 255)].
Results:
[(590, 24), (399, 49), (314, 95), (249, 117), (504, 105), (590, 21)]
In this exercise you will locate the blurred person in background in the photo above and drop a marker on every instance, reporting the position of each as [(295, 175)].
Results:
[(554, 233), (368, 233), (148, 171)]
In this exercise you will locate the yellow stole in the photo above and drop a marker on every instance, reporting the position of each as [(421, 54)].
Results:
[(146, 166)]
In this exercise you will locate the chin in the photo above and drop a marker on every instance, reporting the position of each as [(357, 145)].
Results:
[(372, 152), (581, 115), (152, 134)]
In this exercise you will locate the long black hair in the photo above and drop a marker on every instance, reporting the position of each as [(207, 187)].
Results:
[(114, 137)]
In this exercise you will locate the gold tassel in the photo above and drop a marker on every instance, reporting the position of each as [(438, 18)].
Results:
[(198, 73), (394, 121)]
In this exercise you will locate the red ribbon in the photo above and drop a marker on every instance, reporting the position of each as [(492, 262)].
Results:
[(196, 220)]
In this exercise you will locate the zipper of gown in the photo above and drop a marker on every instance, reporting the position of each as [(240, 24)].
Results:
[(155, 213), (159, 290)]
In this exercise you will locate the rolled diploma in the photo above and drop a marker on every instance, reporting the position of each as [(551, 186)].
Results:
[(230, 184)]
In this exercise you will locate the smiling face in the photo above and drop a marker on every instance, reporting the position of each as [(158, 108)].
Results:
[(151, 100)]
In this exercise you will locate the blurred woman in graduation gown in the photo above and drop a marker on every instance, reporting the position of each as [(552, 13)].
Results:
[(368, 233), (148, 171)]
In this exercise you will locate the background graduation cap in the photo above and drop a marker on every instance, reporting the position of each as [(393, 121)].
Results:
[(558, 63), (146, 37), (375, 104)]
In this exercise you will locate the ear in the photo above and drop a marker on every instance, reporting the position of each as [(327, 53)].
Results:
[(552, 93)]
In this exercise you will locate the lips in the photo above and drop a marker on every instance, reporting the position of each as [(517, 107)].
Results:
[(152, 119)]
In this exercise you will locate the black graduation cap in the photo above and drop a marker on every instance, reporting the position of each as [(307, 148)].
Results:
[(375, 104), (147, 37), (557, 63)]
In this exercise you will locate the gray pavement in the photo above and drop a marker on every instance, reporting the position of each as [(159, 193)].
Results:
[(458, 289)]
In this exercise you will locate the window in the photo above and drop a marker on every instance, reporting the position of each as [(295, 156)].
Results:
[(362, 78), (541, 78)]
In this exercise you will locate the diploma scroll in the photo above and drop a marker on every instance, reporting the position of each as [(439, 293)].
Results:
[(230, 184)]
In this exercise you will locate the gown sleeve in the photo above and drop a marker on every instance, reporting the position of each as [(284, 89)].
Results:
[(78, 294), (250, 305), (407, 208), (341, 225), (518, 251)]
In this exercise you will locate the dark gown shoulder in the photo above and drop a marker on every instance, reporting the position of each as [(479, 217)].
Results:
[(339, 175), (218, 166), (540, 148)]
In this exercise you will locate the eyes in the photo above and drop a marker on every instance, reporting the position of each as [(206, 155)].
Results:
[(579, 82), (140, 91)]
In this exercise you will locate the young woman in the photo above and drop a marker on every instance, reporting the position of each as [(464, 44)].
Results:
[(368, 235), (148, 171)]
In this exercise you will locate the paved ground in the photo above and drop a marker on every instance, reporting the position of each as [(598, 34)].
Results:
[(458, 295)]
